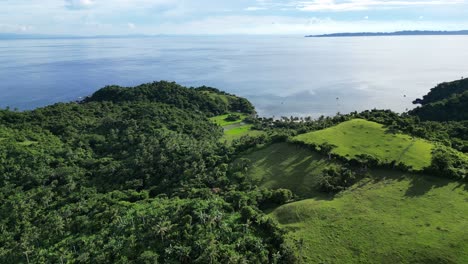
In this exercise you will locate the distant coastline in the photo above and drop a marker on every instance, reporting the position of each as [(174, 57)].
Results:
[(397, 33)]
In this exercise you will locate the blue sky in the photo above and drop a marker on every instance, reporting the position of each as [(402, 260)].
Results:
[(92, 17)]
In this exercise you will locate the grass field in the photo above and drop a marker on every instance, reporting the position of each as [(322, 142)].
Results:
[(220, 120), (359, 136), (235, 129), (392, 217), (285, 165), (397, 219), (239, 131)]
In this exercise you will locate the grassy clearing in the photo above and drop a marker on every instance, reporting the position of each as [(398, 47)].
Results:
[(235, 129), (220, 120), (240, 131), (286, 165), (359, 136), (398, 219)]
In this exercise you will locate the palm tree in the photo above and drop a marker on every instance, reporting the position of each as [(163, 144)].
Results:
[(162, 228)]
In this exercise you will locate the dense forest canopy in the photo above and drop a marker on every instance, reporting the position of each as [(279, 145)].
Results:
[(129, 175), (447, 101), (142, 175), (215, 103)]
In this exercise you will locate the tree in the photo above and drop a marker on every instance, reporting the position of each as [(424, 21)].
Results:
[(327, 149)]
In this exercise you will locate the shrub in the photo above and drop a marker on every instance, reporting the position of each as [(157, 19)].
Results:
[(336, 179), (281, 196), (448, 163), (233, 117), (248, 213)]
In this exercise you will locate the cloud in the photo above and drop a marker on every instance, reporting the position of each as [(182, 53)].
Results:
[(79, 4), (123, 5), (255, 8), (269, 25), (15, 28), (356, 5), (95, 17)]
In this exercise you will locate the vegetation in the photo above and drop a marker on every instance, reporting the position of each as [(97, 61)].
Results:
[(392, 217), (447, 101), (453, 134), (176, 95), (443, 91), (358, 136), (160, 173), (234, 133), (235, 126), (285, 165), (449, 163), (227, 119), (130, 175)]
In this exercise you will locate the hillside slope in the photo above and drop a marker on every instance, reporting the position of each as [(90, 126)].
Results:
[(394, 218), (285, 165), (129, 175), (359, 136), (387, 217), (207, 100)]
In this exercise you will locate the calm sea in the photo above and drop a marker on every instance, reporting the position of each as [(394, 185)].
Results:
[(282, 76)]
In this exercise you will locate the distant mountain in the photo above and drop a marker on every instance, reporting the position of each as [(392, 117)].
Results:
[(397, 33)]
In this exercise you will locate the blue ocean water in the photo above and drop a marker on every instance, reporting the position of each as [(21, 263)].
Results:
[(281, 75)]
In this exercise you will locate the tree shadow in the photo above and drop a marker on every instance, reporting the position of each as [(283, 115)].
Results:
[(460, 184), (422, 184), (301, 176)]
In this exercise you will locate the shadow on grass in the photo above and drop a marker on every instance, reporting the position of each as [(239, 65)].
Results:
[(465, 186), (292, 167), (421, 184), (318, 196)]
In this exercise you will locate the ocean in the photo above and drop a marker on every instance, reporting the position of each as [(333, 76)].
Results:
[(281, 75)]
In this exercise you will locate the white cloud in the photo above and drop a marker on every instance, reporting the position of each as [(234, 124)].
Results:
[(79, 4), (112, 5), (355, 5), (269, 25), (95, 17), (14, 28), (255, 8)]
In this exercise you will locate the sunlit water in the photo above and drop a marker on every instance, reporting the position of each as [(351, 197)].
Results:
[(282, 76)]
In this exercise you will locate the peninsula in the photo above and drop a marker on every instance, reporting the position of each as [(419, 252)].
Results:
[(397, 33)]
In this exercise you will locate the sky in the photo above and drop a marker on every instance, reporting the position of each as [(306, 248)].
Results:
[(220, 17)]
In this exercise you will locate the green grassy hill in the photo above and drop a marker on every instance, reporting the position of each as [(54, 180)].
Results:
[(391, 217), (397, 219), (359, 136)]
